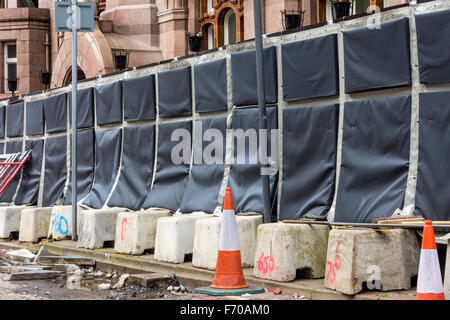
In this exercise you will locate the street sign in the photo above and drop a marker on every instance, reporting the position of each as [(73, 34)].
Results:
[(84, 21), (74, 17)]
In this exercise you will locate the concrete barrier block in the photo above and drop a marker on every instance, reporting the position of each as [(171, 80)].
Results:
[(61, 222), (97, 226), (136, 231), (447, 273), (285, 251), (34, 224), (10, 220), (382, 259), (175, 237), (206, 240)]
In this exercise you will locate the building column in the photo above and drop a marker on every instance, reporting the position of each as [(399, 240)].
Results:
[(173, 25)]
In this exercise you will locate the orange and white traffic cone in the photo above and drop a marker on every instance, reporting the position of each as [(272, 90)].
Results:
[(229, 274), (429, 281), (229, 277)]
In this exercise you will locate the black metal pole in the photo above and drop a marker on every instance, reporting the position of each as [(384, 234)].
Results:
[(262, 108)]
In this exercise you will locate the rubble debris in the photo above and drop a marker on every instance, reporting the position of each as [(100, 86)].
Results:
[(98, 273), (104, 286), (42, 252), (11, 269), (278, 291), (22, 255), (34, 275), (121, 281), (149, 280), (81, 261)]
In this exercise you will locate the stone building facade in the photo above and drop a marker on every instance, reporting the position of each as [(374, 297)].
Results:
[(146, 30)]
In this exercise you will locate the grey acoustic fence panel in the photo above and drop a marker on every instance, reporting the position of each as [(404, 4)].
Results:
[(14, 120), (245, 173), (108, 103), (243, 71), (55, 170), (174, 92), (2, 148), (31, 174), (377, 58), (55, 113), (172, 173), (85, 165), (432, 200), (433, 32), (207, 171), (137, 168), (211, 86), (310, 68), (139, 98), (85, 108), (375, 159), (2, 122), (107, 160), (35, 118), (8, 193), (309, 161)]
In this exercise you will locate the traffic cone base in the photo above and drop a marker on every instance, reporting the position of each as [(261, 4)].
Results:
[(229, 273), (430, 296)]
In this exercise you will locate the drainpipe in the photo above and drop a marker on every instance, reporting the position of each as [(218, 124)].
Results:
[(262, 108), (47, 53)]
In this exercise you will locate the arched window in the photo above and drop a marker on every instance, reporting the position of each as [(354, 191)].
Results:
[(229, 27), (210, 32), (68, 77)]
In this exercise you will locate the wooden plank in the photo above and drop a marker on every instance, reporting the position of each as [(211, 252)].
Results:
[(435, 223), (398, 220)]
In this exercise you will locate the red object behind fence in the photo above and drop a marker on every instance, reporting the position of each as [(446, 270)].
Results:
[(10, 165)]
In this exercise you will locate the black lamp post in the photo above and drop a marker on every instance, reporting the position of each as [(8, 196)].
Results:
[(292, 19), (341, 9), (12, 85), (195, 41), (121, 59), (45, 78)]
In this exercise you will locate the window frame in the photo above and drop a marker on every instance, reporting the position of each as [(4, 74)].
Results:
[(8, 61), (226, 20)]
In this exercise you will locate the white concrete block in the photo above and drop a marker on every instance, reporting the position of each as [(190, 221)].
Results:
[(61, 222), (447, 273), (285, 251), (10, 220), (136, 231), (34, 224), (206, 240), (175, 237), (383, 259), (97, 226)]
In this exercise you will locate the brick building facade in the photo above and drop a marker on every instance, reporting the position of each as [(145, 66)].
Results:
[(147, 30)]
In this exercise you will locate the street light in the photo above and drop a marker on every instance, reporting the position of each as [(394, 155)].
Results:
[(45, 78), (292, 19), (341, 9), (120, 59), (195, 41), (12, 85)]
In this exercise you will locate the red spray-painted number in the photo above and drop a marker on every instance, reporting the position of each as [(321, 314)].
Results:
[(333, 267), (266, 263), (124, 228)]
